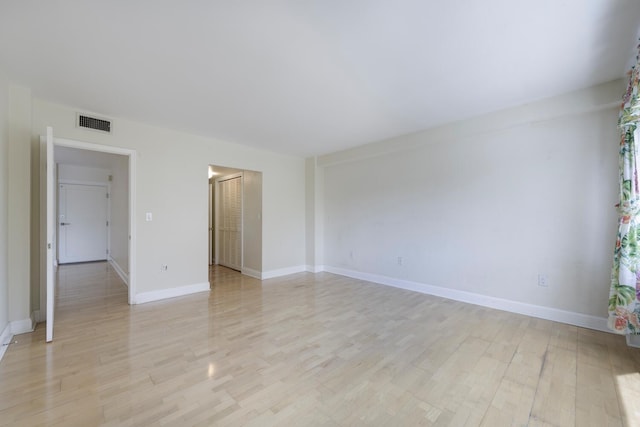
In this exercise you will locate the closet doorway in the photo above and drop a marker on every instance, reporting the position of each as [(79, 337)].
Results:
[(228, 224), (235, 219)]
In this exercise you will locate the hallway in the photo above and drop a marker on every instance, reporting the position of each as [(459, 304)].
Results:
[(86, 292)]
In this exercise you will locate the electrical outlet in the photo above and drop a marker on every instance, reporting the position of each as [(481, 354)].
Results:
[(164, 267), (543, 280), (400, 260)]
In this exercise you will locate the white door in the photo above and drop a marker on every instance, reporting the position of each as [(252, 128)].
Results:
[(229, 221), (211, 233), (82, 223), (51, 244)]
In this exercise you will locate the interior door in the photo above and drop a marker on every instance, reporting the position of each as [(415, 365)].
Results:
[(229, 221), (51, 244), (211, 221), (82, 223)]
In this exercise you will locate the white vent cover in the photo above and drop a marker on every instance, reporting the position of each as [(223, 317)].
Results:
[(93, 123)]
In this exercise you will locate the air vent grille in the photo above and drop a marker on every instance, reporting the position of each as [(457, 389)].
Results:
[(94, 123)]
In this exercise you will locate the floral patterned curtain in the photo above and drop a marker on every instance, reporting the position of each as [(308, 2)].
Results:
[(624, 297)]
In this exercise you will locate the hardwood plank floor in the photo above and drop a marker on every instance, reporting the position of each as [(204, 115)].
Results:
[(308, 350)]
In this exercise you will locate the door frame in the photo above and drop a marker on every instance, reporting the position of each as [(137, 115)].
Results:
[(131, 155), (212, 250)]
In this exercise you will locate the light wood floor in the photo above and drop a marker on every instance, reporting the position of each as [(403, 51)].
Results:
[(308, 350)]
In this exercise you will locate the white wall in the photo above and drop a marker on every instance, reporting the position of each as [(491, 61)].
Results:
[(19, 209), (83, 174), (315, 215), (171, 183), (4, 288), (252, 221), (119, 227), (485, 205)]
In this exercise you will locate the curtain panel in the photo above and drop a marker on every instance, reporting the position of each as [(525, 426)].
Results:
[(624, 295)]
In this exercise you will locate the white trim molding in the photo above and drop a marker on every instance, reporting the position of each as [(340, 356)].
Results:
[(5, 338), (633, 341), (547, 313), (283, 272), (252, 273), (150, 296), (16, 327), (124, 276), (23, 326), (315, 268), (271, 274)]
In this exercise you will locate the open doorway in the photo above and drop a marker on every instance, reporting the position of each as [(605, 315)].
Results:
[(92, 208), (235, 222), (85, 165)]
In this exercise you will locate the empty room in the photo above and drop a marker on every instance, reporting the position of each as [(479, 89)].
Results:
[(319, 213)]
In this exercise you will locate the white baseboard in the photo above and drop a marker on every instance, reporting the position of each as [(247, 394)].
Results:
[(16, 327), (124, 276), (252, 273), (547, 313), (314, 268), (36, 317), (283, 271), (633, 341), (150, 296), (23, 326), (5, 338), (263, 275)]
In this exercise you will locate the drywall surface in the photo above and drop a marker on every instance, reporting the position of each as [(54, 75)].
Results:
[(487, 205), (252, 220), (83, 174), (19, 205), (315, 214), (119, 227), (172, 185)]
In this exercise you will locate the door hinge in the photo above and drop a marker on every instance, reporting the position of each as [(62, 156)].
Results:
[(107, 195), (107, 223)]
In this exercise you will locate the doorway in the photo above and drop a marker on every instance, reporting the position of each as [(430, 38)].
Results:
[(235, 220), (228, 224), (121, 240)]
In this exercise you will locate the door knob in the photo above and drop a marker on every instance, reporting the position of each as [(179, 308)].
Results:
[(65, 223)]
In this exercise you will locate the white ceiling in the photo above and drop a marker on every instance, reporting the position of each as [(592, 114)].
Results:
[(311, 77)]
